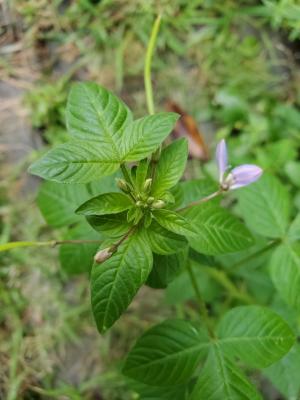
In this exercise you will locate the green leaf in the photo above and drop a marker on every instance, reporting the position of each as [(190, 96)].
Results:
[(220, 379), (197, 189), (113, 225), (147, 392), (284, 375), (106, 203), (174, 222), (285, 273), (141, 174), (256, 335), (76, 162), (58, 202), (165, 269), (144, 135), (170, 167), (163, 241), (294, 229), (218, 231), (78, 258), (166, 354), (265, 205), (115, 282), (95, 114)]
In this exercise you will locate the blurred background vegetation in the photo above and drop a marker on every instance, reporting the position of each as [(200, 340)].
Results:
[(233, 65)]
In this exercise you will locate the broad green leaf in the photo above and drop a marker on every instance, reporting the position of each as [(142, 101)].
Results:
[(256, 335), (167, 354), (284, 375), (294, 229), (95, 114), (197, 189), (163, 241), (165, 269), (144, 135), (115, 282), (218, 231), (265, 205), (78, 258), (292, 169), (58, 202), (170, 167), (285, 273), (220, 379), (150, 392), (112, 225), (76, 162), (106, 203), (174, 222)]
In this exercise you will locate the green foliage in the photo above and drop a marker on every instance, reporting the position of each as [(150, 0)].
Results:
[(132, 264), (217, 230), (265, 205)]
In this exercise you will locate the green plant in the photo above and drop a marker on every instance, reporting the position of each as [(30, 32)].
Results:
[(152, 228)]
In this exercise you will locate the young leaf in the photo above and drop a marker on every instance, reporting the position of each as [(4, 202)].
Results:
[(106, 203), (163, 241), (78, 258), (265, 205), (218, 231), (144, 135), (113, 225), (58, 202), (165, 269), (76, 162), (255, 334), (285, 273), (95, 114), (170, 167), (174, 222), (115, 282), (221, 379), (167, 354)]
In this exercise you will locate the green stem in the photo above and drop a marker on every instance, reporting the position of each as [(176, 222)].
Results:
[(125, 173), (203, 200), (240, 263), (201, 302), (221, 277), (51, 243), (148, 62)]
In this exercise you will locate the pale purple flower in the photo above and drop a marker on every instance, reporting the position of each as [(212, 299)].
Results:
[(238, 176)]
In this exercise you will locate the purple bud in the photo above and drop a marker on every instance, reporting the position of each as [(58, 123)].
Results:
[(243, 176), (221, 157)]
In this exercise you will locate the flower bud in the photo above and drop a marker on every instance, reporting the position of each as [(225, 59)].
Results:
[(123, 185), (103, 255), (147, 184), (158, 204), (150, 200)]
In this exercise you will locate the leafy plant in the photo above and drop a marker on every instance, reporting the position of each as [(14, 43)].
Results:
[(116, 189)]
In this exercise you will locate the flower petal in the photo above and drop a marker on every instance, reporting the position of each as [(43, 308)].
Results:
[(221, 157), (244, 175)]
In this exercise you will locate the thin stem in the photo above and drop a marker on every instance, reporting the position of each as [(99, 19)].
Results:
[(203, 200), (201, 302), (148, 62), (240, 263), (115, 246), (51, 243), (125, 173), (221, 277)]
